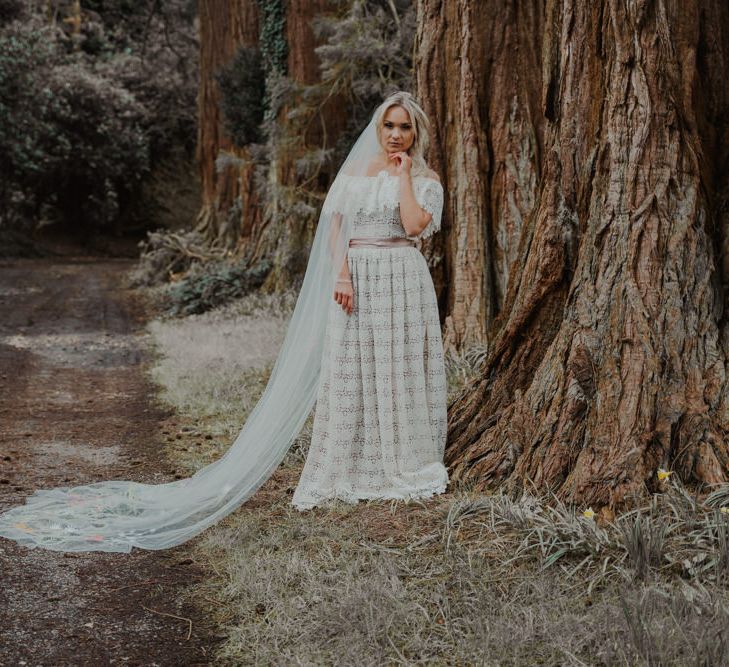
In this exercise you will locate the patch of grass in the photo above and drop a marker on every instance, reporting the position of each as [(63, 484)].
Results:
[(459, 579), (462, 368), (213, 367)]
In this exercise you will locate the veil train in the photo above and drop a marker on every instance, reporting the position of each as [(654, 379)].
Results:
[(118, 515)]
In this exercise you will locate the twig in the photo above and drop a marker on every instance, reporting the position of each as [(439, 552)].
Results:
[(179, 618)]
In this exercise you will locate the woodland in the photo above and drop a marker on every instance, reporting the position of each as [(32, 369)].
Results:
[(582, 276), (583, 151)]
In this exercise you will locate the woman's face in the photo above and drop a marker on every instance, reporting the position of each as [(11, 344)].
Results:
[(397, 132)]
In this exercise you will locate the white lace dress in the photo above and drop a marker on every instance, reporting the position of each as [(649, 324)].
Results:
[(380, 416)]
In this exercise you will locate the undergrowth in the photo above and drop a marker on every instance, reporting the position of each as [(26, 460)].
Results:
[(206, 287), (458, 579)]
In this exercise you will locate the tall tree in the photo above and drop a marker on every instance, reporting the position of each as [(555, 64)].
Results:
[(585, 165), (224, 28), (486, 121), (291, 225), (254, 196)]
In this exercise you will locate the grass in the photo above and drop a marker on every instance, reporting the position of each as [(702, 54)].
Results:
[(460, 579)]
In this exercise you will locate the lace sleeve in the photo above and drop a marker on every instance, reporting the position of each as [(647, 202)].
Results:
[(429, 195), (336, 196)]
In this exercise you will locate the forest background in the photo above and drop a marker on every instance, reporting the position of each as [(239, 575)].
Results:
[(581, 273)]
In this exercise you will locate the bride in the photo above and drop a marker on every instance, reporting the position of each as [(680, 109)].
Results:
[(363, 346)]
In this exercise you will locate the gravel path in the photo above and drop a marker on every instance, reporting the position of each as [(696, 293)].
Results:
[(76, 407)]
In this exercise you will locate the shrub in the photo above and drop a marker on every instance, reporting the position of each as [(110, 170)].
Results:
[(99, 151), (80, 130), (242, 86), (207, 286)]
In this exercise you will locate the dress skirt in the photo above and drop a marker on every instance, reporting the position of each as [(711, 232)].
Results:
[(380, 416)]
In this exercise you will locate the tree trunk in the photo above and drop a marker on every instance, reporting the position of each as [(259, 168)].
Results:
[(486, 122), (271, 225), (601, 196), (294, 231), (224, 28)]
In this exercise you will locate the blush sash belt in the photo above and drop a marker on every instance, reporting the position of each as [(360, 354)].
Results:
[(391, 242)]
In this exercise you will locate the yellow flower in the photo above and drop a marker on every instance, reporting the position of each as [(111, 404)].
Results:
[(588, 513), (663, 474)]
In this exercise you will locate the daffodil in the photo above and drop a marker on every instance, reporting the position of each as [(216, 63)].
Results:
[(663, 474), (588, 513)]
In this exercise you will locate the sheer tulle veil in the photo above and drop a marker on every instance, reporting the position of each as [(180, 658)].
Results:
[(118, 515)]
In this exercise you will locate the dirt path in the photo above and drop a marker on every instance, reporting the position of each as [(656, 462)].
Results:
[(76, 407)]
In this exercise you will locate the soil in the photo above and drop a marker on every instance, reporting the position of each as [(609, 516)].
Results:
[(76, 406)]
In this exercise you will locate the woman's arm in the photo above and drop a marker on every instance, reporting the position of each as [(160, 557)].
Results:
[(414, 218), (343, 290), (334, 233)]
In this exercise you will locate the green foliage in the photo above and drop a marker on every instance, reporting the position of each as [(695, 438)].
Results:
[(71, 140), (210, 285), (242, 86), (274, 52), (272, 38), (100, 153), (26, 130), (80, 128)]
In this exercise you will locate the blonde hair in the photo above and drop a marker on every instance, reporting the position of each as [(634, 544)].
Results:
[(421, 126)]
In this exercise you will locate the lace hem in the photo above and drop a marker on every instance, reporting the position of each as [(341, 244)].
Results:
[(353, 497)]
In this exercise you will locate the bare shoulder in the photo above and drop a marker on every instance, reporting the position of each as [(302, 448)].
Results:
[(373, 166)]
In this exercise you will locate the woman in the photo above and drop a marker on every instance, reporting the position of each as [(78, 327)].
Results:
[(380, 421), (372, 356)]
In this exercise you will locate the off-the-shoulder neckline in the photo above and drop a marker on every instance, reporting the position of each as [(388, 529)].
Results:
[(387, 173)]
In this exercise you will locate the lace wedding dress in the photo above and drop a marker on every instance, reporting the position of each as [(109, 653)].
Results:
[(380, 419)]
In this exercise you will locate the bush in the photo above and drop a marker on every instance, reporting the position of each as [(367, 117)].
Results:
[(80, 130), (27, 52), (242, 86), (99, 152), (209, 286)]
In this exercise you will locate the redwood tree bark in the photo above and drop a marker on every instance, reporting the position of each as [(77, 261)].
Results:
[(292, 232), (608, 357), (488, 138), (271, 225), (224, 28)]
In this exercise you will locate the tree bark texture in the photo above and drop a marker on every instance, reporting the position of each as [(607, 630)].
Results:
[(585, 162), (273, 225), (291, 231), (487, 142), (224, 28)]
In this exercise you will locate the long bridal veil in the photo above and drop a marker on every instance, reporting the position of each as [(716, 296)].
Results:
[(118, 515)]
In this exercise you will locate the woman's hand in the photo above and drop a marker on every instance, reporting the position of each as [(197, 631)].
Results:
[(404, 162), (344, 294)]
